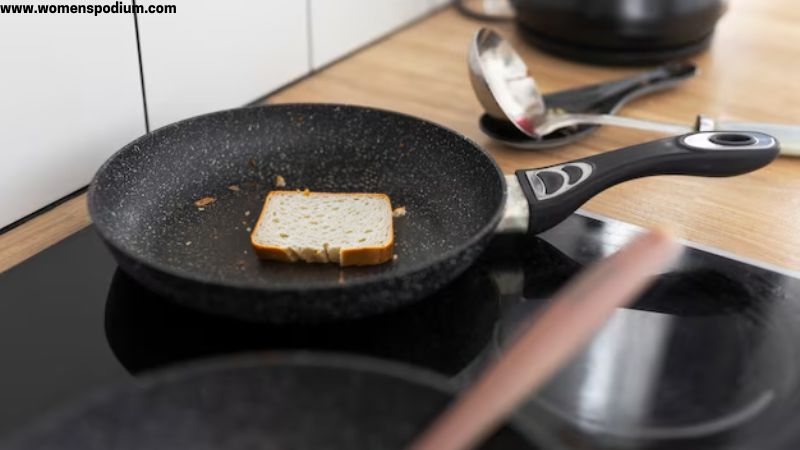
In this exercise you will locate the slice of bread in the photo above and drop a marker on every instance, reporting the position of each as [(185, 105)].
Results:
[(349, 229)]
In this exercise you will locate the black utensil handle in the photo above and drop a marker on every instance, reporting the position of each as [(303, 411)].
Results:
[(659, 78), (610, 95), (555, 192)]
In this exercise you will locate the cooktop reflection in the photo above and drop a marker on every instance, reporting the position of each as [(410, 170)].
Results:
[(708, 358)]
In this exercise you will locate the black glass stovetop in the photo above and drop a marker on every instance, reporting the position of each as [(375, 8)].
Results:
[(709, 358)]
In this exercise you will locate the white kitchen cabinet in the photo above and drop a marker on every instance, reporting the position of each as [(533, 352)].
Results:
[(341, 26), (213, 55), (70, 96)]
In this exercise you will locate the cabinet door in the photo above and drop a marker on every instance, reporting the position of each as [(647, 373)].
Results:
[(71, 96), (213, 55), (341, 26)]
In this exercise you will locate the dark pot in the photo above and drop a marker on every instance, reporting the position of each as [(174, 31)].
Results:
[(626, 32)]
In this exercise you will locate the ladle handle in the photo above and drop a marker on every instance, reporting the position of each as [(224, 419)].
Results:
[(555, 192), (621, 121)]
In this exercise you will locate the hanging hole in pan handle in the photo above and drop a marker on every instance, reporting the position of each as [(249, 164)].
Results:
[(740, 141), (732, 139)]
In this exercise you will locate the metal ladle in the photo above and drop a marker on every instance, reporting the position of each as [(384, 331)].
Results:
[(508, 92)]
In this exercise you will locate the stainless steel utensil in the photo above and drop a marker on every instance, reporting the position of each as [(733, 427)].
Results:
[(505, 88), (503, 85)]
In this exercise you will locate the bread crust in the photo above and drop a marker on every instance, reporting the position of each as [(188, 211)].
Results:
[(356, 256), (367, 256)]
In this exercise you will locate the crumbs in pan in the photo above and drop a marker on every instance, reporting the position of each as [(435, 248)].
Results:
[(205, 201)]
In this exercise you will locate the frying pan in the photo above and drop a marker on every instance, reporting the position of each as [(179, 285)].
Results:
[(142, 202), (286, 401)]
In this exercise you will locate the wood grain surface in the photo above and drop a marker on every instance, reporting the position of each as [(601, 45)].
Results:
[(750, 73)]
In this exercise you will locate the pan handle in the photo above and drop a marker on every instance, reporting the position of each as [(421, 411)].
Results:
[(555, 192)]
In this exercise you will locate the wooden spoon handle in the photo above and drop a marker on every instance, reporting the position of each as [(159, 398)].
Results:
[(577, 311)]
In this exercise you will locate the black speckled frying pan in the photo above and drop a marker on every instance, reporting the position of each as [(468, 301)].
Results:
[(143, 199), (275, 401)]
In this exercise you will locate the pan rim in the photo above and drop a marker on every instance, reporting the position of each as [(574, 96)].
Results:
[(255, 286)]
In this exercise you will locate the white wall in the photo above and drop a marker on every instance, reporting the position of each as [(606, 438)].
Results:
[(69, 97), (70, 92), (216, 54), (341, 26)]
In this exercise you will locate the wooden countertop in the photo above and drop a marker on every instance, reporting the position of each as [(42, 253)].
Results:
[(750, 73)]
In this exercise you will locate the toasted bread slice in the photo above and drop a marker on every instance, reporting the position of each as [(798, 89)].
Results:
[(344, 228)]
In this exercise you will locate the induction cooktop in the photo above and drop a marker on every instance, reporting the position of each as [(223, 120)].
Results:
[(708, 358)]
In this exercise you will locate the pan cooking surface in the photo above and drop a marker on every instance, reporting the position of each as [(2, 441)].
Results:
[(143, 199)]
